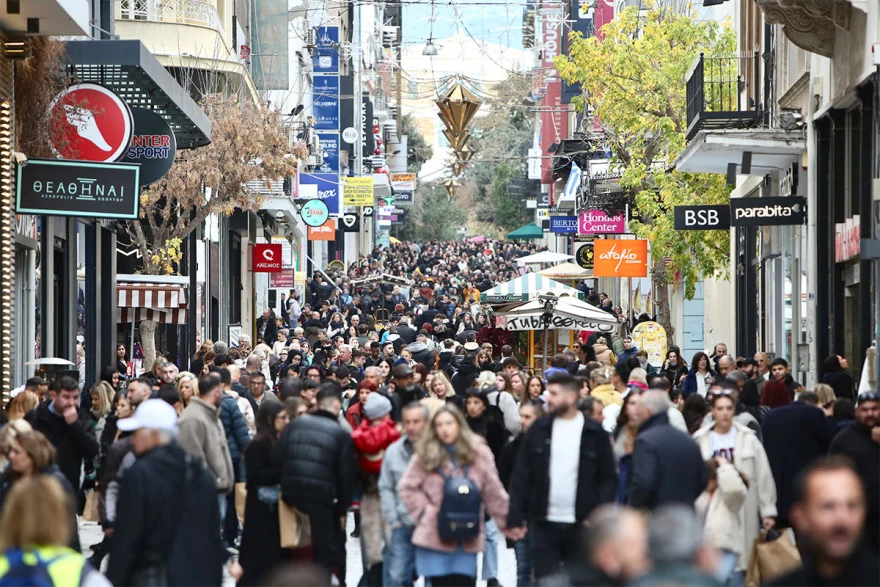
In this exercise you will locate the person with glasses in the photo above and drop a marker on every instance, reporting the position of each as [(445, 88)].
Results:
[(860, 441)]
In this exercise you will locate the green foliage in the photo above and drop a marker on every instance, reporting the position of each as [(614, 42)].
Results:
[(433, 216), (635, 81), (509, 213), (418, 150)]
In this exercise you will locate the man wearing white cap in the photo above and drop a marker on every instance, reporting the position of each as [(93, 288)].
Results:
[(167, 517)]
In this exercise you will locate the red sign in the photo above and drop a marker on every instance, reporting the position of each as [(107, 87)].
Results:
[(283, 280), (267, 258), (553, 111), (847, 239), (325, 232), (90, 123)]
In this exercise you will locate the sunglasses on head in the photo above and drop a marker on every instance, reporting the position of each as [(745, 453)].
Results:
[(868, 396)]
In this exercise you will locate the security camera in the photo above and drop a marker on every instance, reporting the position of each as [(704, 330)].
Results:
[(20, 158)]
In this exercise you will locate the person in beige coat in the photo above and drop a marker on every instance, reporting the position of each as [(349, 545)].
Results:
[(720, 508), (739, 445), (202, 434)]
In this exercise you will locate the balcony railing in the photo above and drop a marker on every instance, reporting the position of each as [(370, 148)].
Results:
[(725, 93), (194, 12)]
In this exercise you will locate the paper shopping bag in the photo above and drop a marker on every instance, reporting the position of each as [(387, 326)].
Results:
[(296, 531), (240, 501), (772, 559)]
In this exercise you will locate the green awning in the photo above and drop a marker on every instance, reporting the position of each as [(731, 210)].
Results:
[(529, 231)]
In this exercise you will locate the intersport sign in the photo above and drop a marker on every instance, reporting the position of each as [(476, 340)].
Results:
[(768, 211)]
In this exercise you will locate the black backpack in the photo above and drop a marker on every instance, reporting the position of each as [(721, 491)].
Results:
[(461, 512)]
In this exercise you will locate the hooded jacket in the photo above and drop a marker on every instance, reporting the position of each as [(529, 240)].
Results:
[(371, 441), (603, 353), (607, 395), (421, 354), (234, 426), (722, 510)]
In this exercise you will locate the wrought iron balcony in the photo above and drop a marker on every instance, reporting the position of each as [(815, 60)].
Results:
[(725, 93), (193, 12)]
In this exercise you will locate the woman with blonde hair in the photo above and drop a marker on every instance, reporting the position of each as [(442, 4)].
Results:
[(101, 406), (188, 387), (442, 389), (23, 403), (826, 394), (518, 386), (7, 435), (33, 542), (449, 449), (31, 455)]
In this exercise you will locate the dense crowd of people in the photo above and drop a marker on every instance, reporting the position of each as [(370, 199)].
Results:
[(370, 393)]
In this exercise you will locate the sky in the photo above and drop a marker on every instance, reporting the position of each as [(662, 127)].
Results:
[(493, 21)]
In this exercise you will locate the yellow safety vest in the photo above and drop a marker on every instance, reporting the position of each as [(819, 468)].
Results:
[(66, 570)]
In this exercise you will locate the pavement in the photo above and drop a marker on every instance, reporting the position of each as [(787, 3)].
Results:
[(90, 533)]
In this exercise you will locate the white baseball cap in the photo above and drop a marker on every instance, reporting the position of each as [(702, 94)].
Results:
[(155, 414)]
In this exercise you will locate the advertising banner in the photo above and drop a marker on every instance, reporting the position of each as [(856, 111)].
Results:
[(153, 145), (330, 147), (404, 186), (267, 258), (651, 337), (78, 188), (320, 186), (358, 191), (557, 323), (94, 124), (282, 280), (325, 106), (325, 232), (564, 224), (598, 222), (325, 56), (620, 258)]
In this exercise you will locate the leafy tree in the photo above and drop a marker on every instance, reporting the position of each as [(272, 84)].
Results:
[(634, 80), (418, 149), (433, 216), (509, 213), (248, 144)]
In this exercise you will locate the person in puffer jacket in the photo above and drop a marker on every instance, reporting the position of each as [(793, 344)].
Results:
[(237, 437), (376, 433), (720, 507)]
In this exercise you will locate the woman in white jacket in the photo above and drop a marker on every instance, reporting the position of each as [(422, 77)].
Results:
[(739, 445), (720, 507)]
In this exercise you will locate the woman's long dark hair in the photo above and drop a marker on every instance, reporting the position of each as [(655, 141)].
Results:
[(695, 362), (266, 422)]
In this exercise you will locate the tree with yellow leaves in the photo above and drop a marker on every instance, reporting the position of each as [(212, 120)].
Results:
[(634, 80), (248, 143)]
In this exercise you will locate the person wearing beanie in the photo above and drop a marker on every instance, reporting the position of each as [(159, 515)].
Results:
[(375, 434)]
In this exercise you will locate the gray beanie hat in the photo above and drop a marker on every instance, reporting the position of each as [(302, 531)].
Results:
[(377, 406)]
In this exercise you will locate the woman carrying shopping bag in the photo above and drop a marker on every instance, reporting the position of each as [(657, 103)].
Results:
[(449, 483)]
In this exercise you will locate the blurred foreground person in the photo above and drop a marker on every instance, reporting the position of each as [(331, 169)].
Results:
[(167, 522), (829, 518), (33, 540)]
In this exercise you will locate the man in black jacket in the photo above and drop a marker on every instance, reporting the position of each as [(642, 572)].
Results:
[(317, 465), (556, 483), (405, 331), (267, 331), (167, 516), (667, 467), (860, 441), (794, 436), (68, 428)]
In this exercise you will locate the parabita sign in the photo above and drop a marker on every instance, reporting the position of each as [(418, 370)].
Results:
[(78, 188)]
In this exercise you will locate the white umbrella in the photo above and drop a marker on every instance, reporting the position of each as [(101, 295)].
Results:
[(566, 271), (50, 361), (543, 257), (567, 307)]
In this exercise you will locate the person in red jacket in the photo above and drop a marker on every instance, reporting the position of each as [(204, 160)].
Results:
[(374, 434), (355, 414)]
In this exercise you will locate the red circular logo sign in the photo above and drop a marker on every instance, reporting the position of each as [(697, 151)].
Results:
[(90, 123)]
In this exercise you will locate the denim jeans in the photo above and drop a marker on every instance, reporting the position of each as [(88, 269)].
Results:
[(221, 504), (490, 556), (400, 558), (727, 573), (524, 564)]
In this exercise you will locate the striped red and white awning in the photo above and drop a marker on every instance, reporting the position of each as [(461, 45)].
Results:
[(162, 302)]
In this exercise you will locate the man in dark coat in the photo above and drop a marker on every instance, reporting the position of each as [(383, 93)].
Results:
[(667, 467), (167, 516), (860, 441), (267, 331), (317, 464), (589, 477), (794, 436), (467, 372), (68, 428), (405, 332)]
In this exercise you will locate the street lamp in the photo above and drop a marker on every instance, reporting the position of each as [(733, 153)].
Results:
[(546, 319), (430, 49)]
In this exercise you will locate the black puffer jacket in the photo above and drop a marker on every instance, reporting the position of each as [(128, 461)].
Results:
[(467, 373), (317, 462)]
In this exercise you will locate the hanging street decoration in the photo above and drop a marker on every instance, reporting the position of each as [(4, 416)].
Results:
[(457, 110)]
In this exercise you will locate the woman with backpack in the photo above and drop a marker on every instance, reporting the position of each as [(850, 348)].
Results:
[(449, 480)]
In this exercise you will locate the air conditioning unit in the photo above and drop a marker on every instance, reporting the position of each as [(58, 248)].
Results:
[(309, 39), (315, 144)]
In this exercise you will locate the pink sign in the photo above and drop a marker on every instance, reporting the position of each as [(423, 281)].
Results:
[(597, 222)]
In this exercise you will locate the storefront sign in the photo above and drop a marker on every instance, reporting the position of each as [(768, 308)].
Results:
[(584, 256), (325, 232), (314, 213), (282, 280), (358, 191), (564, 224), (319, 186), (557, 323), (267, 258), (325, 56), (329, 142), (598, 222), (651, 337), (404, 185), (847, 239), (78, 188), (93, 124), (620, 258), (350, 223), (325, 106), (702, 217), (768, 211), (153, 145)]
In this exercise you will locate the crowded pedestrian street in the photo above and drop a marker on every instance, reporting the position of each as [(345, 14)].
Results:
[(496, 293)]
